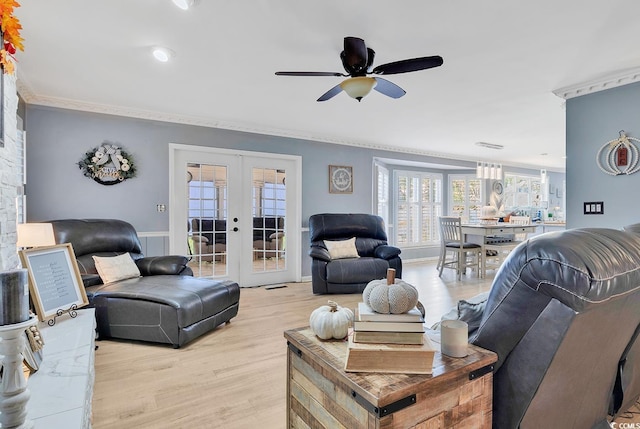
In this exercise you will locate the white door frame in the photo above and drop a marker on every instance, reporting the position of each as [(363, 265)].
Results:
[(178, 206)]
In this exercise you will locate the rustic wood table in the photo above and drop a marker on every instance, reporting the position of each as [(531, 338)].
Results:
[(320, 394)]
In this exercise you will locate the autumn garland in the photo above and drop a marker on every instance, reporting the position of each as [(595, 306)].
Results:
[(10, 30)]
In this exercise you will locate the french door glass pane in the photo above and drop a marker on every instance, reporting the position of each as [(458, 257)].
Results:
[(207, 216), (269, 214)]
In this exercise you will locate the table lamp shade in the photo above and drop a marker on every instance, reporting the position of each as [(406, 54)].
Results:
[(35, 235)]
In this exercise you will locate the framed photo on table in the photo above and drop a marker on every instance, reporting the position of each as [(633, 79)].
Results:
[(340, 179), (54, 280)]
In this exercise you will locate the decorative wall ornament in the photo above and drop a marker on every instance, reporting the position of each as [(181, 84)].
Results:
[(340, 179), (108, 164), (619, 156)]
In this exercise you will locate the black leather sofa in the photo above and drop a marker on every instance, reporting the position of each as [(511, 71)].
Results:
[(350, 275), (210, 237), (563, 315), (165, 305)]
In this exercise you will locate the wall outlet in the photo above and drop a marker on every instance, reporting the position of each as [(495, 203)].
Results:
[(594, 207), (161, 208)]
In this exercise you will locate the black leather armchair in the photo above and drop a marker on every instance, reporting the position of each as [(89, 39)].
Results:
[(166, 304), (563, 315), (350, 275)]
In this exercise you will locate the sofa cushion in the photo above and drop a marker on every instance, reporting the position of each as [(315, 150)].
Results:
[(360, 270), (215, 230), (114, 268), (340, 249)]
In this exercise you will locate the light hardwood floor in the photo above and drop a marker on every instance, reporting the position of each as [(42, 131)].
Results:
[(235, 376)]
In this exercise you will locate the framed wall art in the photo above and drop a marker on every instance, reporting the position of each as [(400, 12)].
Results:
[(55, 283), (340, 179)]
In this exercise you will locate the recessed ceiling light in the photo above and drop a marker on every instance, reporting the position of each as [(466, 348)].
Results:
[(162, 54), (183, 4)]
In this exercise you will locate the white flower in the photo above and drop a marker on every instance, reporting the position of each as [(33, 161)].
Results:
[(94, 159), (119, 157), (99, 154), (125, 161), (124, 167)]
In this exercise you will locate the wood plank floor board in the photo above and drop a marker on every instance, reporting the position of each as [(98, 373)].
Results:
[(235, 376)]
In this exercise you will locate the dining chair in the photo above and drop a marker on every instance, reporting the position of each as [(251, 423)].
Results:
[(498, 248), (463, 254)]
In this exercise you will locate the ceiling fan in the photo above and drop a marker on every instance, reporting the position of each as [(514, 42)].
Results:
[(357, 60)]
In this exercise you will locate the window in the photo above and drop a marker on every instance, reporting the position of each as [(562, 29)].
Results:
[(419, 204), (522, 194), (382, 194), (465, 197)]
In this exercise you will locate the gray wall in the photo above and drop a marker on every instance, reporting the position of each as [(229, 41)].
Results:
[(57, 139), (592, 121)]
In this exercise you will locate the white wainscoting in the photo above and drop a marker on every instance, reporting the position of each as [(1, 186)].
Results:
[(154, 243)]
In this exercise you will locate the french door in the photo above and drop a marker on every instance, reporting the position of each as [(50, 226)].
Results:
[(235, 213)]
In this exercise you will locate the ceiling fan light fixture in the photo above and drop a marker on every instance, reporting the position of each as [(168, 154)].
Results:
[(358, 87), (162, 54), (183, 4)]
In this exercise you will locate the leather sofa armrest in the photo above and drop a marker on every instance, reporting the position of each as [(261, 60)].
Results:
[(385, 251), (163, 265), (320, 253), (91, 280), (199, 238)]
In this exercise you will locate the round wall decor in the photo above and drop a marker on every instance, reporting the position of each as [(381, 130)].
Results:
[(619, 156), (107, 164)]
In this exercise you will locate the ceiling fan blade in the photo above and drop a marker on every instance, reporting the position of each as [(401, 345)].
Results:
[(331, 93), (413, 64), (294, 73), (354, 56), (387, 88)]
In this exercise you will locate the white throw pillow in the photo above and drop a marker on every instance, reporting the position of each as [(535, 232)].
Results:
[(114, 268), (341, 249)]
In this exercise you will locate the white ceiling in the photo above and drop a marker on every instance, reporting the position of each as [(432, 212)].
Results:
[(502, 60)]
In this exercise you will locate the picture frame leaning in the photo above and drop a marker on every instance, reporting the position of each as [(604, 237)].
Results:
[(55, 283)]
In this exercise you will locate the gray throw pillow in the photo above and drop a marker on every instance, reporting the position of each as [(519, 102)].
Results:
[(471, 310)]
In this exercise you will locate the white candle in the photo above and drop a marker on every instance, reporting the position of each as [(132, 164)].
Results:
[(454, 336)]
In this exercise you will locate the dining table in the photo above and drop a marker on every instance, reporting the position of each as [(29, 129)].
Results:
[(478, 233)]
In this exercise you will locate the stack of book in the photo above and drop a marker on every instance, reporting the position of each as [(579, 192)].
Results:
[(372, 327), (391, 343)]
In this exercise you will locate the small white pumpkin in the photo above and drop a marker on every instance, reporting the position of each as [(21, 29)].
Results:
[(331, 321), (390, 295)]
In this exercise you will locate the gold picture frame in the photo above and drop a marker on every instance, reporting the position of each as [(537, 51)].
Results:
[(55, 283), (340, 179)]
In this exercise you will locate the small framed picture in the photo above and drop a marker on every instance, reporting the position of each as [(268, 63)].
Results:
[(340, 179), (54, 279)]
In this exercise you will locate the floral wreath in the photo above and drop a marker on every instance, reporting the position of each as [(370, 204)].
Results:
[(10, 34), (107, 164)]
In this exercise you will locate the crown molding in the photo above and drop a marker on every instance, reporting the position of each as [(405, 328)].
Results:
[(24, 89), (610, 81)]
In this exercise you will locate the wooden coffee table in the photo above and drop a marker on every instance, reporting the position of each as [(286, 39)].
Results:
[(321, 394)]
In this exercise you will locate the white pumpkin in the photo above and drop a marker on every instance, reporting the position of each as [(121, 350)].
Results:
[(390, 295), (331, 321)]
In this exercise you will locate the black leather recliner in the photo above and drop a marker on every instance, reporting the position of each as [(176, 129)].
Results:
[(165, 305), (353, 274), (563, 315)]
